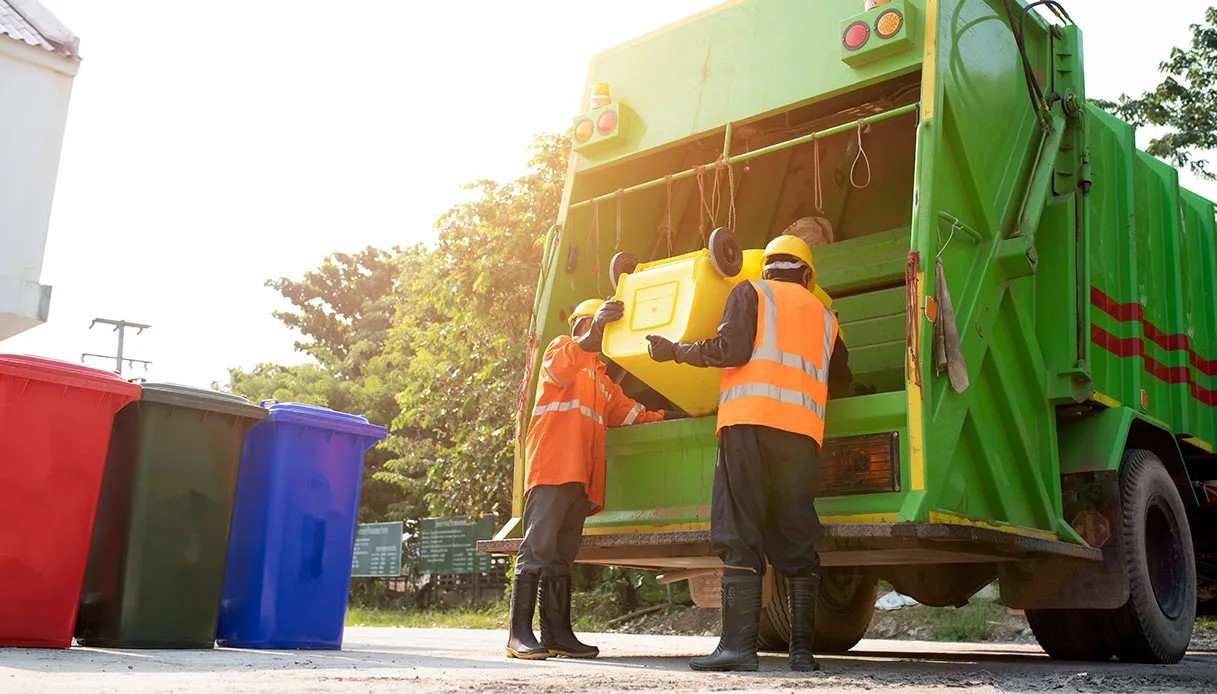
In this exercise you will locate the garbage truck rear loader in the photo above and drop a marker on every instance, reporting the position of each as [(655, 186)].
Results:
[(1028, 303)]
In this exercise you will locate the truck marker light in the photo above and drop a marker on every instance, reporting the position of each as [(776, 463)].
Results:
[(606, 122), (856, 35), (860, 465), (583, 130), (889, 24)]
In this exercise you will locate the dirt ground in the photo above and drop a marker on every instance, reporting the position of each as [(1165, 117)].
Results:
[(448, 660), (908, 623)]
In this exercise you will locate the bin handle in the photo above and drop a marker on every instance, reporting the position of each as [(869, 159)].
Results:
[(268, 402)]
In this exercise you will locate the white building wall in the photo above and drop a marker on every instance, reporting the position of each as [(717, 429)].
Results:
[(35, 86)]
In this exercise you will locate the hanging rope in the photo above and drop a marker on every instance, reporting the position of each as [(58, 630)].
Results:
[(620, 210), (701, 206), (717, 195), (667, 215), (862, 127), (731, 199), (819, 190), (593, 238), (912, 327)]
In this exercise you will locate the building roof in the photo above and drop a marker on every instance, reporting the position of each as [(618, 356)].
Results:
[(28, 21)]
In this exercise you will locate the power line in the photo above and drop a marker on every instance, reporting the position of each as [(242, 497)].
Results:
[(120, 327)]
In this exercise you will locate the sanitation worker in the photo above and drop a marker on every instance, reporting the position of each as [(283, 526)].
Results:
[(565, 453), (782, 356)]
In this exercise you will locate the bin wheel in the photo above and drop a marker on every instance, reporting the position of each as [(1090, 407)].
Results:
[(844, 609), (623, 263), (725, 253)]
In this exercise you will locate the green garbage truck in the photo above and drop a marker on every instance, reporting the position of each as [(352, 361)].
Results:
[(1029, 304)]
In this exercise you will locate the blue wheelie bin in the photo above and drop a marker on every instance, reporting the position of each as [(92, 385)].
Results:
[(293, 529)]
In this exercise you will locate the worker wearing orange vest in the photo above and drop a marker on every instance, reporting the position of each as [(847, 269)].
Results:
[(782, 355), (564, 450)]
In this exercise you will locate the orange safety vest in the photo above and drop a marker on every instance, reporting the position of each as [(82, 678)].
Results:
[(784, 385), (576, 402)]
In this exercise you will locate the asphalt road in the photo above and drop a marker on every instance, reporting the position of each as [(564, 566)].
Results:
[(444, 660)]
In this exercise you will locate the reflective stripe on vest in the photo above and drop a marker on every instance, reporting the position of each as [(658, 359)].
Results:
[(567, 407), (596, 379), (633, 415), (768, 349), (789, 381), (766, 390)]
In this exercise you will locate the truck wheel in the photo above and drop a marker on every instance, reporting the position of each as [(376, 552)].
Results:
[(1155, 625), (725, 253), (843, 612), (1069, 634)]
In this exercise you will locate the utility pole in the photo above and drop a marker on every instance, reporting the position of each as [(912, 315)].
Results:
[(120, 327)]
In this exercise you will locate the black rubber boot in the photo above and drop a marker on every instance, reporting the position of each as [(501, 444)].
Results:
[(521, 643), (801, 594), (557, 635), (741, 621)]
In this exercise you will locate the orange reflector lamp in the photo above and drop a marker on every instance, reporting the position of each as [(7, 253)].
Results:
[(856, 35), (606, 122), (860, 465), (583, 130), (889, 24)]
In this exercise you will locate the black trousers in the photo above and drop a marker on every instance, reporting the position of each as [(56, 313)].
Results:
[(763, 508), (553, 529)]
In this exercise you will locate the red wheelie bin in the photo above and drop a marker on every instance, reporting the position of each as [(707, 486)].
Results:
[(55, 422)]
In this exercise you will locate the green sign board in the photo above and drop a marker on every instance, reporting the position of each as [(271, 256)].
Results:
[(449, 545), (377, 550)]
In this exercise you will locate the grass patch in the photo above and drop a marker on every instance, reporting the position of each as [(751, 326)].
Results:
[(490, 616), (968, 624), (493, 616)]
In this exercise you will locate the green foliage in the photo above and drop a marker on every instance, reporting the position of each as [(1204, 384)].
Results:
[(428, 340), (459, 342), (1182, 103)]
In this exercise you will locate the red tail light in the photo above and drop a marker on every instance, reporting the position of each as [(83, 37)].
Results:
[(606, 122), (856, 35)]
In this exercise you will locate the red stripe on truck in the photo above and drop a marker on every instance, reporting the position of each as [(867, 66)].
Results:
[(1134, 347), (1126, 313)]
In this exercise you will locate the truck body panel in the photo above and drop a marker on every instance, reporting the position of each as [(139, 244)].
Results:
[(1081, 276)]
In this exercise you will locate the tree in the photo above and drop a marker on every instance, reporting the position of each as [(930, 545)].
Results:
[(1182, 103), (431, 340), (460, 340), (342, 306)]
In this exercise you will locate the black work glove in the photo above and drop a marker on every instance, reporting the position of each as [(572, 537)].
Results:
[(607, 313), (669, 415), (661, 348)]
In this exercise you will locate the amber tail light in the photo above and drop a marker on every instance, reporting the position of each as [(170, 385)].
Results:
[(860, 465)]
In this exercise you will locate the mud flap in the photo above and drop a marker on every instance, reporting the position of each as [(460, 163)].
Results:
[(1092, 507)]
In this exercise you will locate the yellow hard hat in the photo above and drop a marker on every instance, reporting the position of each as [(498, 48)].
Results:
[(792, 246), (586, 309)]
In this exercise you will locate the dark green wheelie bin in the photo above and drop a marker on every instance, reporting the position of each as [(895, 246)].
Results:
[(156, 563)]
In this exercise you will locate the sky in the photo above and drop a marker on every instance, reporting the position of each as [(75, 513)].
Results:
[(213, 145)]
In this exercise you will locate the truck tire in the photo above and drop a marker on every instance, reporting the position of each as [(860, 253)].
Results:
[(1070, 634), (1155, 625), (843, 612)]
